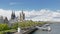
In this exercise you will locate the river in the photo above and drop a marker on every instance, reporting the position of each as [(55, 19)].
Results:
[(55, 29)]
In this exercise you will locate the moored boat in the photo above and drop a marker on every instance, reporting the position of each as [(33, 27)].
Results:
[(46, 27)]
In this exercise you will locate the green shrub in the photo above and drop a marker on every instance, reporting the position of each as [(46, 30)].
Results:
[(26, 24), (4, 27), (14, 26), (4, 32)]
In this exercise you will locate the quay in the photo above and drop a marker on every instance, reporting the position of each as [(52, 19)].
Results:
[(28, 31)]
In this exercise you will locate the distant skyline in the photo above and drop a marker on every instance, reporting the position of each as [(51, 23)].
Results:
[(36, 10), (30, 4), (35, 15)]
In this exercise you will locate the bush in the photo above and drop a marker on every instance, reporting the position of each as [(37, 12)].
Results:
[(26, 24), (1, 32), (14, 26), (6, 31), (4, 27)]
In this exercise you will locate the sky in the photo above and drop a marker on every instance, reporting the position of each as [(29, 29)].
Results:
[(30, 4), (36, 10)]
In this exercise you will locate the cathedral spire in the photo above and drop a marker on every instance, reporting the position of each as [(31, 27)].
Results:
[(22, 11), (13, 15), (22, 16)]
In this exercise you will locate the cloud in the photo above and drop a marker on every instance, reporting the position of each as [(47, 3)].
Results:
[(39, 15), (13, 3), (44, 15)]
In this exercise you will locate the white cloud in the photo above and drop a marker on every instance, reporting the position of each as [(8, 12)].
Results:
[(41, 15), (13, 3)]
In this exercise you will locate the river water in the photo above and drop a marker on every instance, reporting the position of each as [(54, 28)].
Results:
[(55, 29)]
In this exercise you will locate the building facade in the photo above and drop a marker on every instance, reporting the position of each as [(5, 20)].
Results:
[(1, 19), (6, 20)]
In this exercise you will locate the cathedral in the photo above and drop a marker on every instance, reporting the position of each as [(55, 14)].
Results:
[(17, 19), (13, 19), (13, 15)]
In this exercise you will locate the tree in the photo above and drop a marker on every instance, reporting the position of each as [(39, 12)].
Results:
[(4, 27)]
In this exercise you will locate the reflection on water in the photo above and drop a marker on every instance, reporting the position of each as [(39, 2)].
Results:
[(55, 29)]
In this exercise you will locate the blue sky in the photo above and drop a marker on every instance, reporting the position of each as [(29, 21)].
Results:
[(30, 4)]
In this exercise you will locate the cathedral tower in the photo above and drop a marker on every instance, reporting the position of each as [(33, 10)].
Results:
[(6, 20), (13, 15), (22, 16)]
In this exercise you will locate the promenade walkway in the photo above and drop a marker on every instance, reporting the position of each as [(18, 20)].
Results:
[(26, 31), (17, 33)]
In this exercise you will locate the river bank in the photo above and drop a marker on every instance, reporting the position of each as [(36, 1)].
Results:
[(55, 29), (30, 31), (30, 27), (25, 26)]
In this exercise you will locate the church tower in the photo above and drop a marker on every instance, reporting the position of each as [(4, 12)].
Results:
[(6, 20), (22, 16), (13, 15)]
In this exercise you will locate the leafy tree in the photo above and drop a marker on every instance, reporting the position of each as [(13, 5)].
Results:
[(14, 26), (4, 27)]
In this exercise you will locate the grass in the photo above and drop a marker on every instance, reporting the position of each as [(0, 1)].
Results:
[(12, 30)]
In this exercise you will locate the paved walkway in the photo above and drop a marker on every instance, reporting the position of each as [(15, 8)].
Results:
[(17, 33)]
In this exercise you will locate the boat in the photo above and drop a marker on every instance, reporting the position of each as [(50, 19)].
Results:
[(46, 27)]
